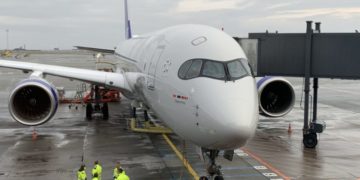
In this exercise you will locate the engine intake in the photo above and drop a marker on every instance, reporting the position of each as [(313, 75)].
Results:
[(276, 96), (33, 102)]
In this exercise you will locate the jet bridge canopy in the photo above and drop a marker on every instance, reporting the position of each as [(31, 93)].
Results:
[(333, 55)]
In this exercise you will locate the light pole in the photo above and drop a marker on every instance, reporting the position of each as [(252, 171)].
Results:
[(7, 39)]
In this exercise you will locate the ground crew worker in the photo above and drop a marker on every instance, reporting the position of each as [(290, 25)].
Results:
[(81, 174), (116, 170), (97, 169), (122, 175), (95, 176)]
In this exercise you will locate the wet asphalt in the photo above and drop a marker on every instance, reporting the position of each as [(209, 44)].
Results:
[(68, 140)]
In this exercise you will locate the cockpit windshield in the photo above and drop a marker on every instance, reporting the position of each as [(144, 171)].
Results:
[(236, 69), (230, 70), (213, 69)]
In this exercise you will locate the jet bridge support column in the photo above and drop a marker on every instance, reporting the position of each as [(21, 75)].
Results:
[(311, 129), (309, 137), (315, 84), (307, 75), (315, 126)]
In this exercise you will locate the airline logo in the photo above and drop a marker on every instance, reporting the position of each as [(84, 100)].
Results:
[(180, 98)]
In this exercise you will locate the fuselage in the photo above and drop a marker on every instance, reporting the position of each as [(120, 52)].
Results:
[(197, 80)]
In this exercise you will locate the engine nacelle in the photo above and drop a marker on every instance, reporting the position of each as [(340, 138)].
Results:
[(276, 96), (33, 101)]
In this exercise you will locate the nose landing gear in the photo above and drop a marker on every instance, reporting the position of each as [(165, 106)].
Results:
[(213, 169)]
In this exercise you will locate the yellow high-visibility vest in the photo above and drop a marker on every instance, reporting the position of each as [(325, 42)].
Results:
[(123, 176), (116, 173), (81, 175), (97, 169)]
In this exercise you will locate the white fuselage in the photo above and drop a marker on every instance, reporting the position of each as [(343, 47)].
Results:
[(212, 113)]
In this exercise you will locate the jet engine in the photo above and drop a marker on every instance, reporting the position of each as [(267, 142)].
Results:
[(33, 101), (276, 96)]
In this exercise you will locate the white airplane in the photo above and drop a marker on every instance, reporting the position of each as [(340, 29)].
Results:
[(195, 78)]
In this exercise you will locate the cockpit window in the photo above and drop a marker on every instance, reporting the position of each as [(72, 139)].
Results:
[(229, 70), (213, 69), (184, 68), (236, 69), (194, 69)]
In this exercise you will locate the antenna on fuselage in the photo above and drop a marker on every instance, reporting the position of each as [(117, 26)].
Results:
[(128, 34)]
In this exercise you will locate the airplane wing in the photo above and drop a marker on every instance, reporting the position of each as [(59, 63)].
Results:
[(109, 79), (111, 51)]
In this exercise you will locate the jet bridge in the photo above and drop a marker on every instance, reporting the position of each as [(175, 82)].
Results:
[(310, 55)]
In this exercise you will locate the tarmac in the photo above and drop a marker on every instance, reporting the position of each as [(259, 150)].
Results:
[(68, 140)]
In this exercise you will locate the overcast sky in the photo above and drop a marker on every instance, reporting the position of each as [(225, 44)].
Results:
[(46, 24)]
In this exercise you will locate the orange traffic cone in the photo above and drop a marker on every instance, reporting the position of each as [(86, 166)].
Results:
[(34, 135), (289, 129)]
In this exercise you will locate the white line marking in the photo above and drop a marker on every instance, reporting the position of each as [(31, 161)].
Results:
[(270, 174), (260, 167)]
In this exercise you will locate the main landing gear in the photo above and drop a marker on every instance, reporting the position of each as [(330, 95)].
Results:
[(97, 108)]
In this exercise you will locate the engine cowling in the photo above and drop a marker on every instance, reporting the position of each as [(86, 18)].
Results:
[(276, 96), (33, 101)]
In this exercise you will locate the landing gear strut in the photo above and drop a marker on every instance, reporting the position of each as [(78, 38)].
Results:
[(213, 169)]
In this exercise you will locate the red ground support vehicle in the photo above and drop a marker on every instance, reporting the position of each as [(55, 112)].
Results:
[(107, 95)]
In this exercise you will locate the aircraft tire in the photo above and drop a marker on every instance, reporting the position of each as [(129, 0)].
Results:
[(310, 140), (105, 111), (89, 111)]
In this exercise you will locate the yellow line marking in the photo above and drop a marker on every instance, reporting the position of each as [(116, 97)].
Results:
[(164, 131), (148, 128), (263, 162), (181, 157)]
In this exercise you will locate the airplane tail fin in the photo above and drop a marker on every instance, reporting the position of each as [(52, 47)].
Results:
[(128, 33)]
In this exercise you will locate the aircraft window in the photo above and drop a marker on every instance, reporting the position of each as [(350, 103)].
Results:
[(236, 69), (184, 68), (213, 69), (194, 69), (228, 71)]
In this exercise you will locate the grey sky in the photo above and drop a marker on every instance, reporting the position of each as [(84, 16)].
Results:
[(46, 24)]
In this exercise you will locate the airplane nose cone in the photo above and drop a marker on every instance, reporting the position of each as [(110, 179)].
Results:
[(234, 113), (237, 121)]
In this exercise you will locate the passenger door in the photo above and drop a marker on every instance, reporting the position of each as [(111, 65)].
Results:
[(153, 66)]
